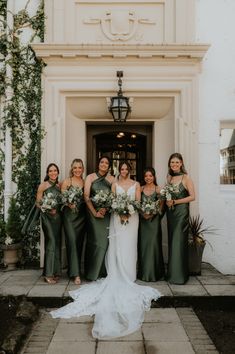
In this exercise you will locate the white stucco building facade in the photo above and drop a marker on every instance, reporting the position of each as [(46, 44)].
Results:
[(177, 58), (215, 25)]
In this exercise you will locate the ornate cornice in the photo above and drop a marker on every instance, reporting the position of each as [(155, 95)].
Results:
[(177, 52)]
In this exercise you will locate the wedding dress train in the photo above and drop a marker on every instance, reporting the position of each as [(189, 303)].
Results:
[(116, 301)]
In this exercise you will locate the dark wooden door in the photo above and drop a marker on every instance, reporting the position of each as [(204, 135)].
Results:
[(120, 143)]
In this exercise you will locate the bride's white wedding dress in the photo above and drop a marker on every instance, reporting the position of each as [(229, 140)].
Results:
[(116, 301)]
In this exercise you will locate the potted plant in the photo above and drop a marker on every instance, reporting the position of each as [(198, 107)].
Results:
[(197, 243), (10, 236)]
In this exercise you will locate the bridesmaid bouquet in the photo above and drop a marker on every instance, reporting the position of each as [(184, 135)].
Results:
[(74, 196), (49, 201), (169, 192), (102, 200), (150, 207), (124, 206)]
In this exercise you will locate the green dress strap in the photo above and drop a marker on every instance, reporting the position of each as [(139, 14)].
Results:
[(100, 183)]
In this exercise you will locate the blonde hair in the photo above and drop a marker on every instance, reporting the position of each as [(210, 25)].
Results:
[(72, 164)]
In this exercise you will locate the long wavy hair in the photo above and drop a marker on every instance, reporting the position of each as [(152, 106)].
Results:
[(178, 156), (153, 172), (71, 167), (47, 171)]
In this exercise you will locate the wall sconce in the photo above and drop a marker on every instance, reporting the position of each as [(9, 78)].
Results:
[(119, 106)]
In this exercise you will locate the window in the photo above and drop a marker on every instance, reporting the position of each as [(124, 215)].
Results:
[(227, 154)]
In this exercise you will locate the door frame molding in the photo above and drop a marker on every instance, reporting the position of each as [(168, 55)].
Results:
[(93, 129)]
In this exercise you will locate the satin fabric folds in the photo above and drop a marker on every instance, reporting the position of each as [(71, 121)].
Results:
[(97, 236), (74, 221), (178, 224), (51, 226), (150, 256)]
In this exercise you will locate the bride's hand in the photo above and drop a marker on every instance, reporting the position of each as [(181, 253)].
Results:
[(124, 219)]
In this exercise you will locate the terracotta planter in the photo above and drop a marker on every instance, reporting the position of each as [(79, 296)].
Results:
[(195, 251), (11, 255)]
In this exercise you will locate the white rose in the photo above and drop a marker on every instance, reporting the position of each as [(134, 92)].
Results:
[(131, 209)]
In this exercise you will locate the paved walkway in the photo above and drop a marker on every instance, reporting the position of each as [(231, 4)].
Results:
[(164, 331), (31, 284)]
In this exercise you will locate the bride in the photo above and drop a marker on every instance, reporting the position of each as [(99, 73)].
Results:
[(117, 302)]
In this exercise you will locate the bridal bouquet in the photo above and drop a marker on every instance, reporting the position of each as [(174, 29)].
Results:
[(102, 199), (169, 192), (74, 196), (124, 206), (150, 207), (49, 201)]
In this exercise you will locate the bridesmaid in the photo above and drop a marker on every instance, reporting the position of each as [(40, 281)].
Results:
[(51, 225), (178, 220), (150, 257), (74, 222), (98, 221)]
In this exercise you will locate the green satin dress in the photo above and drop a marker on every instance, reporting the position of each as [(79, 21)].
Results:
[(97, 236), (74, 227), (178, 224), (150, 257), (51, 226)]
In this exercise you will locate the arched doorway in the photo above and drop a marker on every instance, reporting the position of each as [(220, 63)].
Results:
[(132, 143)]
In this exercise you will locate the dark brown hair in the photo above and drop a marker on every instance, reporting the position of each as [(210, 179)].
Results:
[(178, 156), (47, 171), (124, 163), (152, 171), (103, 157)]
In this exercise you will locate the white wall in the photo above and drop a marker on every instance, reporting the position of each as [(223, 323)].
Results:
[(215, 25)]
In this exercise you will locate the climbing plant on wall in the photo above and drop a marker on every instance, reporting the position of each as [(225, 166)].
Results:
[(3, 51), (23, 115)]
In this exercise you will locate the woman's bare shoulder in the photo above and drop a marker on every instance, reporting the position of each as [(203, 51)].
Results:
[(110, 178), (91, 176), (42, 187)]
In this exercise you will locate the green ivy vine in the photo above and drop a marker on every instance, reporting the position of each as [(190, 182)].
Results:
[(23, 114)]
